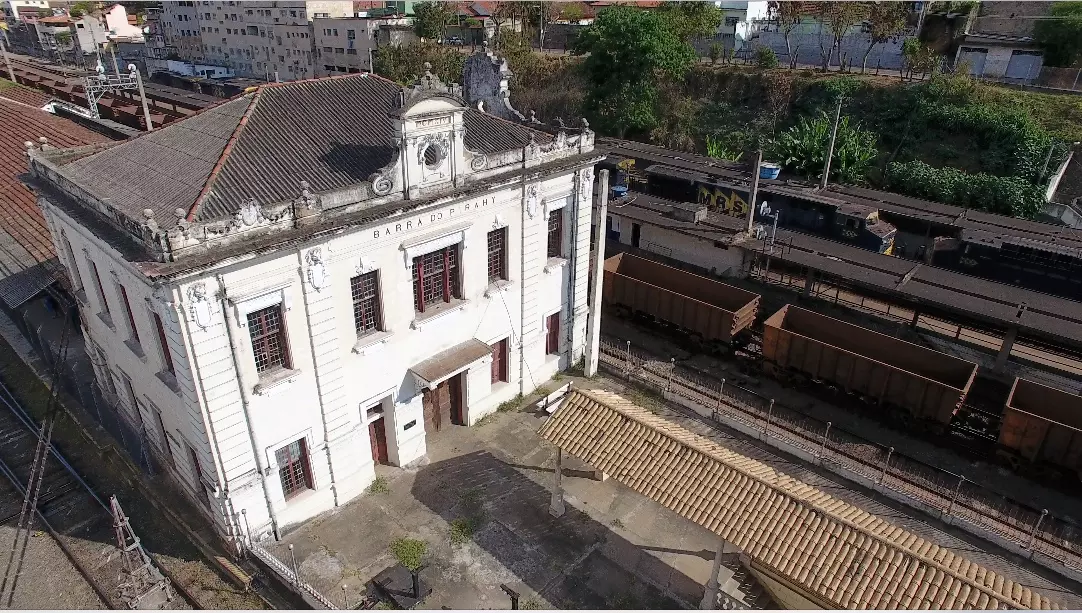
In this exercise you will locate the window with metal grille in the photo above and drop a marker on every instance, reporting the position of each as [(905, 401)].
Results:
[(99, 287), (163, 342), (497, 255), (76, 278), (556, 234), (552, 337), (293, 468), (435, 278), (197, 470), (366, 307), (128, 311), (499, 361), (269, 342), (165, 438)]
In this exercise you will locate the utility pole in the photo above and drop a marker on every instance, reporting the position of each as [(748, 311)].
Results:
[(830, 149), (754, 188), (142, 94), (7, 60)]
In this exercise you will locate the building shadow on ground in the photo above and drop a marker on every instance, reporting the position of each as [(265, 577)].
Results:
[(572, 561)]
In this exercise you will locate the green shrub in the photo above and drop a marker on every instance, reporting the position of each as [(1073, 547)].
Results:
[(409, 552), (1003, 195), (766, 58), (803, 148)]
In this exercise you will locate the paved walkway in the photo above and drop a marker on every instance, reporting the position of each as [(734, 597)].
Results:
[(612, 548)]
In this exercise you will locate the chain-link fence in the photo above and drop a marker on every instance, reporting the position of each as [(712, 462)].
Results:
[(930, 488)]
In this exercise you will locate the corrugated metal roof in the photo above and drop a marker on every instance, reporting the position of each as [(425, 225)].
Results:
[(839, 554)]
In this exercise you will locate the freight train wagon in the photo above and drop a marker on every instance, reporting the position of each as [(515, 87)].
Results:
[(923, 383), (713, 311), (1042, 425)]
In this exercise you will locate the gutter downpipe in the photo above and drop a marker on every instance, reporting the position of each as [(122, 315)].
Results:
[(215, 448), (244, 406)]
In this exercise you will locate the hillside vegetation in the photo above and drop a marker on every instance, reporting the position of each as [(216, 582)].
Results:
[(946, 138)]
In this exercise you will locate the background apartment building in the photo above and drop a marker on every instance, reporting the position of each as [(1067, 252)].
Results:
[(280, 40), (345, 45)]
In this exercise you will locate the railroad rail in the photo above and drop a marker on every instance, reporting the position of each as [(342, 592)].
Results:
[(68, 508), (1049, 541)]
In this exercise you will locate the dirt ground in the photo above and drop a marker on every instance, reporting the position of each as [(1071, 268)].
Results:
[(48, 579)]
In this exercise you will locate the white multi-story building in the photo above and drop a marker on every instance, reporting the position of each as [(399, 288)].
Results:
[(17, 10), (179, 23), (315, 277), (348, 44)]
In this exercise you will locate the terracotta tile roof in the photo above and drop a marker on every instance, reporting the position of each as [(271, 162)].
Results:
[(836, 554), (331, 132), (26, 95), (19, 213)]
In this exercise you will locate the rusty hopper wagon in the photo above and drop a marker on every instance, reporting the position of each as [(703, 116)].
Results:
[(1043, 425), (923, 383), (714, 311)]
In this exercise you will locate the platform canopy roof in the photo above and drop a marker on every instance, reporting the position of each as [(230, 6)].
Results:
[(830, 552)]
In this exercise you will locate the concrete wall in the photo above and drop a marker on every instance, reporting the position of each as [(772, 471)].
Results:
[(1009, 18), (698, 252)]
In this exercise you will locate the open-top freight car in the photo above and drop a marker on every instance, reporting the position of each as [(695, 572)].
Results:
[(1042, 426), (705, 308), (922, 383)]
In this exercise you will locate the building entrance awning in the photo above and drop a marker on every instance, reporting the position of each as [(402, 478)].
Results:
[(448, 363)]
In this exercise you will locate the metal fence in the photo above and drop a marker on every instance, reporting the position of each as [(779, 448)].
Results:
[(76, 378), (955, 499)]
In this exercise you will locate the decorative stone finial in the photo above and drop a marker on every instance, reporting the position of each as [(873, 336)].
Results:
[(585, 124), (428, 68), (533, 116), (44, 141), (148, 213)]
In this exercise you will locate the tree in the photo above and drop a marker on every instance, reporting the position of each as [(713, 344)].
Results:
[(885, 21), (918, 58), (572, 11), (630, 50), (715, 52), (778, 87), (692, 19), (837, 18), (431, 18), (788, 15), (78, 9), (1060, 36)]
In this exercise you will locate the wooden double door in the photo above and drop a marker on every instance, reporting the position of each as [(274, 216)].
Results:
[(443, 405)]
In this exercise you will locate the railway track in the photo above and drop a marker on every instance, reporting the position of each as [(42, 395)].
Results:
[(68, 509)]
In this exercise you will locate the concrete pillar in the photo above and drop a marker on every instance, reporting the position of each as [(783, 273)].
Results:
[(710, 597), (1005, 348), (556, 508), (593, 320), (916, 319)]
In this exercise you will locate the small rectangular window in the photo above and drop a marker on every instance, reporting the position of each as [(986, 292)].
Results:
[(73, 267), (366, 307), (197, 470), (556, 234), (165, 438), (293, 468), (497, 255), (552, 336), (269, 342), (499, 361), (163, 341), (100, 288), (128, 311)]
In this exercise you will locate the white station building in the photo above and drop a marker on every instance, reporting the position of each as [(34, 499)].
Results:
[(315, 277)]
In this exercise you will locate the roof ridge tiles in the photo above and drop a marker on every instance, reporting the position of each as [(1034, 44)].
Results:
[(193, 210)]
